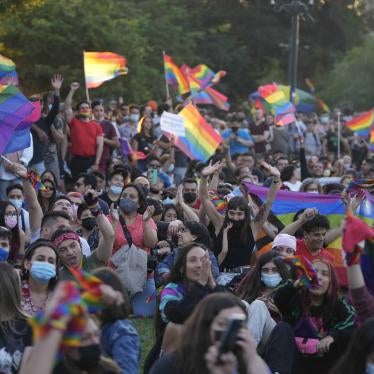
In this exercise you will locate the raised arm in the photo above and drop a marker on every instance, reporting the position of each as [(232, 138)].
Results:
[(69, 113), (99, 149), (56, 82), (189, 213), (150, 233), (307, 215)]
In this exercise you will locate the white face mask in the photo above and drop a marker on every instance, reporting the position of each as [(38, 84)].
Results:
[(369, 368)]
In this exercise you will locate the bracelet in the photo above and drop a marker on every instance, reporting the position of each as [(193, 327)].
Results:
[(276, 181)]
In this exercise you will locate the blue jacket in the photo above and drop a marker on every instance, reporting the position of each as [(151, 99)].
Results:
[(120, 341)]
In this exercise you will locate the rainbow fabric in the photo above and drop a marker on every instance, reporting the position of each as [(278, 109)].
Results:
[(8, 74), (102, 66), (171, 292), (34, 178), (358, 185), (287, 203), (14, 109), (174, 76), (219, 202), (371, 145), (200, 141), (302, 270), (361, 124), (206, 76), (282, 108)]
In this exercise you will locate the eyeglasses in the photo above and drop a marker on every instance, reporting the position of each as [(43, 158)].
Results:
[(49, 188), (11, 214)]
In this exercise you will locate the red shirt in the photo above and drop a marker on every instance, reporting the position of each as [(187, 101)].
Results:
[(302, 250), (83, 137)]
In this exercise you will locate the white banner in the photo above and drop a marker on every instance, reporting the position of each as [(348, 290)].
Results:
[(172, 123)]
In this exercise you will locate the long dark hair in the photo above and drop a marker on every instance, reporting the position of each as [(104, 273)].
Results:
[(177, 272), (196, 332), (251, 286), (15, 241), (359, 349), (51, 199), (25, 274), (142, 129), (238, 202)]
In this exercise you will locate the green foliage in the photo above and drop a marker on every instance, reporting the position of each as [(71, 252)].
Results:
[(351, 82), (248, 39)]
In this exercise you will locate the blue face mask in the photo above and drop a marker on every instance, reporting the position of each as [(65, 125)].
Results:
[(115, 190), (369, 368), (4, 254), (134, 118), (171, 168), (168, 201), (128, 206), (271, 280), (42, 271), (17, 203)]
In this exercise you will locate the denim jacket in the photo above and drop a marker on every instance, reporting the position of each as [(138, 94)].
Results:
[(120, 341)]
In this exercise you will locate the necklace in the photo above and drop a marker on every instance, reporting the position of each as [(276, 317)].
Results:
[(27, 303)]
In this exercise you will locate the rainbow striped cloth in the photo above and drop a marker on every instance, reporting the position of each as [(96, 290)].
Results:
[(302, 270), (102, 66), (361, 124), (8, 74), (200, 141), (174, 76)]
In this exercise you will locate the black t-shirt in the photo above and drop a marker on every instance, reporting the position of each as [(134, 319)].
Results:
[(145, 143), (165, 365), (12, 344)]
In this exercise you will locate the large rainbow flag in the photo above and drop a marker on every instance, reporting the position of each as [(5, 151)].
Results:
[(371, 146), (174, 76), (14, 109), (200, 141), (361, 124), (8, 74), (287, 203), (102, 66)]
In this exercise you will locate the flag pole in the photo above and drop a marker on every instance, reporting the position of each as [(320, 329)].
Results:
[(85, 82), (166, 83), (339, 130)]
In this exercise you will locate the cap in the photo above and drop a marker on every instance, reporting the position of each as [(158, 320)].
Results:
[(285, 240)]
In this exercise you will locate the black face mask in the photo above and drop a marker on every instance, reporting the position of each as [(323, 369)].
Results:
[(89, 223), (237, 224), (145, 190), (189, 197), (89, 357)]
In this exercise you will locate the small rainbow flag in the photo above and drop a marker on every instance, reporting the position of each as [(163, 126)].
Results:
[(102, 66), (206, 76), (200, 141), (8, 74), (371, 146), (361, 124), (174, 77)]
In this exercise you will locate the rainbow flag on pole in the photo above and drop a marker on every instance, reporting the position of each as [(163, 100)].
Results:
[(200, 141), (8, 74), (174, 77), (102, 66), (361, 124)]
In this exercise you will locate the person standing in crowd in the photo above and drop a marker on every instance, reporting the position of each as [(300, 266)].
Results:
[(238, 140), (260, 132), (86, 135), (110, 137), (116, 182)]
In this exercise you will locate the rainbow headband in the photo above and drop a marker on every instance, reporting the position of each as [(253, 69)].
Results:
[(65, 236)]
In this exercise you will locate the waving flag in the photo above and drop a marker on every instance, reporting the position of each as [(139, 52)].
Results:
[(200, 141), (361, 124), (206, 76), (8, 74), (174, 76), (102, 66)]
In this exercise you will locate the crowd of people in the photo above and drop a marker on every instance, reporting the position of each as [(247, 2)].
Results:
[(181, 241)]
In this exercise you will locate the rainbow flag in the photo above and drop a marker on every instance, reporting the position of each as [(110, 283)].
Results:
[(200, 141), (371, 145), (211, 96), (8, 74), (281, 107), (206, 76), (14, 109), (102, 66), (287, 203), (174, 76), (361, 124)]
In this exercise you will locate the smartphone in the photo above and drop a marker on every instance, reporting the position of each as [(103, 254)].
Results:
[(229, 337), (153, 176)]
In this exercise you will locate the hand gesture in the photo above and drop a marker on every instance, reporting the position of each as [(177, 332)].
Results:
[(114, 214), (324, 344), (74, 86), (20, 170), (174, 228), (211, 169), (179, 196), (228, 227), (205, 269), (227, 363), (270, 169), (309, 214), (247, 345), (148, 213), (56, 82)]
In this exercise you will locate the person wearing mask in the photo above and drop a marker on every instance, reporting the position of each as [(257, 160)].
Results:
[(88, 226), (110, 137), (129, 128), (15, 333), (144, 185), (260, 132), (238, 140), (16, 197), (86, 136), (42, 130), (198, 351), (5, 239), (310, 185), (39, 275), (190, 193), (9, 220), (116, 182)]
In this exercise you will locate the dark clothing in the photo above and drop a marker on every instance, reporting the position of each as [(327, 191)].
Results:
[(259, 130), (44, 123), (104, 206), (12, 345), (166, 365), (104, 197), (363, 301), (109, 132), (80, 165), (239, 253)]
